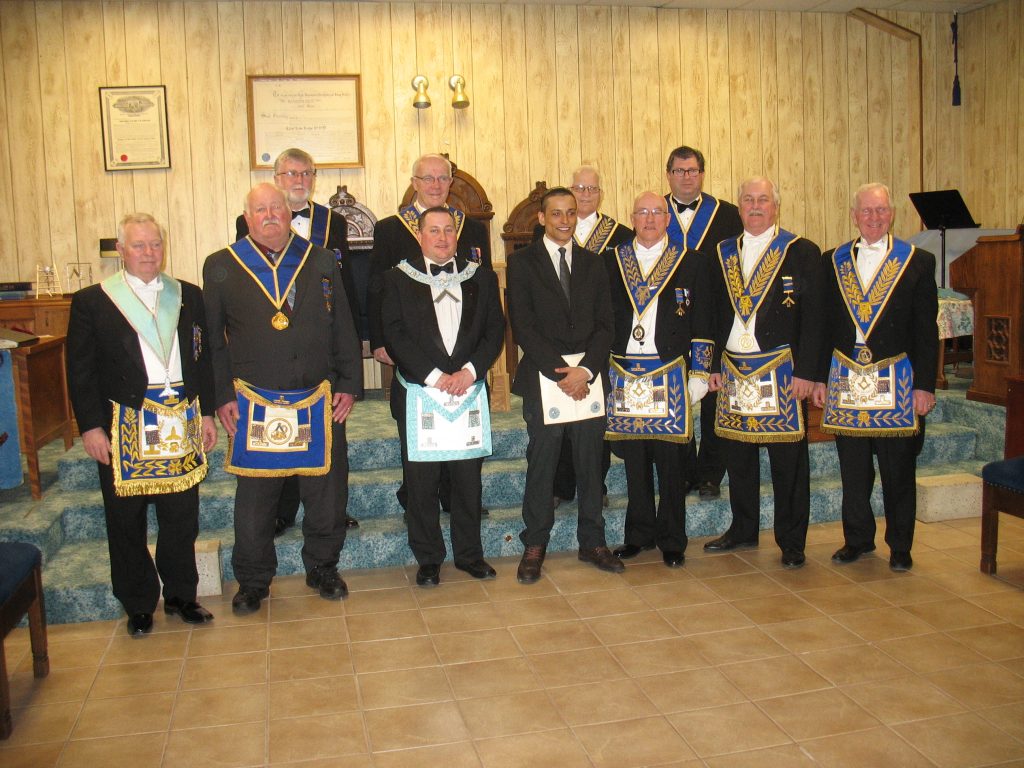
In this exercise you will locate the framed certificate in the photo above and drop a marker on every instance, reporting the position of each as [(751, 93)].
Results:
[(134, 121), (321, 114)]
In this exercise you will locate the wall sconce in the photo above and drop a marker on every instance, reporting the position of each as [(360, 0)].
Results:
[(458, 84), (420, 100)]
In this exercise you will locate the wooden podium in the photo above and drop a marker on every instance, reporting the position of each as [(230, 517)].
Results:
[(992, 274)]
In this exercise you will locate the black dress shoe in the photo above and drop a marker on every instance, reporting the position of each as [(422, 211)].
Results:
[(429, 575), (529, 568), (140, 624), (280, 526), (247, 600), (325, 579), (672, 558), (792, 558), (478, 569), (190, 612), (629, 551), (850, 552), (726, 541), (603, 558), (900, 561), (351, 522), (709, 490)]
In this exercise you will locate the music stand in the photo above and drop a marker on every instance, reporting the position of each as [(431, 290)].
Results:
[(942, 210)]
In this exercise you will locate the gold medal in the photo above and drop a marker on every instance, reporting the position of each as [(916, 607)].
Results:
[(279, 321), (638, 333), (863, 355), (746, 342)]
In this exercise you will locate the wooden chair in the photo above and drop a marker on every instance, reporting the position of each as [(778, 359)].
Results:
[(1003, 489), (21, 592), (361, 223)]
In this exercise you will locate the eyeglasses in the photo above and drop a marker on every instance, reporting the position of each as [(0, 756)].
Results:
[(687, 172), (298, 174), (880, 211), (644, 212), (588, 188), (432, 179)]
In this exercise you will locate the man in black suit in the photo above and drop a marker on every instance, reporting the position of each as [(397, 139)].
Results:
[(443, 326), (280, 325), (295, 173), (880, 361), (769, 329), (661, 299), (137, 347), (699, 222), (559, 305)]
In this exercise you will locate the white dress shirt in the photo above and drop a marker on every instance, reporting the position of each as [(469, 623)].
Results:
[(869, 258), (584, 226), (751, 250), (149, 293), (301, 226), (448, 310)]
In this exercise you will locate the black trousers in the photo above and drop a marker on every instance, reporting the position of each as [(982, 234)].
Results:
[(897, 466), (705, 463), (791, 486), (565, 473), (664, 526), (324, 498), (545, 444), (133, 575)]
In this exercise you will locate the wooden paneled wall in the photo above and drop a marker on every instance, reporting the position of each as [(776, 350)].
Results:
[(819, 101)]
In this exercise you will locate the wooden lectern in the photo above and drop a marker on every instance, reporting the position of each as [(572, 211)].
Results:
[(992, 274)]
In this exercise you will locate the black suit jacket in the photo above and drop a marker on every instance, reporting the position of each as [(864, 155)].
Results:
[(104, 356), (319, 343), (412, 335), (724, 224), (546, 326), (801, 325), (393, 242), (906, 324)]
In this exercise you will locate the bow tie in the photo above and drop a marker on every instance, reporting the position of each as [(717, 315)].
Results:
[(680, 207), (436, 269), (303, 214)]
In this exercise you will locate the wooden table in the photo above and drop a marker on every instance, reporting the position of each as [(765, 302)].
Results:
[(41, 394)]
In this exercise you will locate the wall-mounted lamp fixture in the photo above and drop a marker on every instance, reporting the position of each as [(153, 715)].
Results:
[(420, 100), (458, 84)]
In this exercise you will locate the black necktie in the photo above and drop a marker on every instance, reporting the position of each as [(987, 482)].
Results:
[(437, 270), (303, 214), (563, 271), (680, 207)]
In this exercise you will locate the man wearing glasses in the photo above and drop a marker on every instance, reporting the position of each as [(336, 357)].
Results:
[(700, 222)]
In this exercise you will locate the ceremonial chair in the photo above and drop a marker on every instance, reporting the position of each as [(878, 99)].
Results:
[(360, 225), (1003, 488), (21, 592)]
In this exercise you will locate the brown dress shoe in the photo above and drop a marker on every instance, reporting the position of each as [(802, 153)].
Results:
[(603, 558), (529, 566)]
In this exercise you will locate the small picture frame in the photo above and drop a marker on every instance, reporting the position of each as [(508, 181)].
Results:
[(134, 126)]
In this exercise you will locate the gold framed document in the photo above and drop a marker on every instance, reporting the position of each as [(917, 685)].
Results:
[(134, 124), (321, 114)]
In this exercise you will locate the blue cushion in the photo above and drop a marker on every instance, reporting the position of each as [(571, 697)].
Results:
[(1008, 473), (17, 559)]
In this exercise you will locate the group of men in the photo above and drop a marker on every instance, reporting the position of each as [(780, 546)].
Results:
[(627, 334)]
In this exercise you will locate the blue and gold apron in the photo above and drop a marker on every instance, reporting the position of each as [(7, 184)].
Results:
[(647, 399), (757, 403)]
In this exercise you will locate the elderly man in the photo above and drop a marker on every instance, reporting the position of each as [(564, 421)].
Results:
[(699, 222), (560, 309), (881, 303), (141, 383), (661, 300), (769, 328), (287, 369), (444, 328), (295, 173)]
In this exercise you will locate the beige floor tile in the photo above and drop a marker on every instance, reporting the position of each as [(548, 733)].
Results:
[(419, 726), (631, 627), (777, 676), (555, 636), (508, 714), (995, 641), (971, 583), (744, 586), (383, 655), (942, 536), (603, 702), (776, 608), (650, 574), (1010, 718), (456, 618), (379, 601), (980, 685), (853, 664), (956, 613), (239, 745), (788, 756), (484, 678), (718, 565), (1014, 665), (676, 594), (813, 575), (57, 633), (607, 603), (842, 599), (31, 755), (547, 749), (539, 610), (70, 684), (902, 699), (483, 645), (588, 665), (155, 647), (289, 586), (733, 728), (124, 715), (305, 607), (225, 671), (872, 567), (49, 722), (457, 593), (907, 591), (228, 640), (220, 706), (866, 749), (309, 661), (135, 751), (633, 743), (293, 634), (1006, 605), (958, 741), (883, 624), (459, 755), (585, 578), (656, 657), (67, 654), (403, 687), (318, 696), (311, 738), (689, 690), (805, 635), (708, 617), (930, 653), (375, 579), (818, 713), (735, 645), (508, 589)]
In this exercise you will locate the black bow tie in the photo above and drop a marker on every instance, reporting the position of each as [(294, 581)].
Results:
[(438, 269), (680, 207), (303, 214)]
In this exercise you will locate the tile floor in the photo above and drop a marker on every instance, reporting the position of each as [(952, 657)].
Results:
[(730, 661)]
